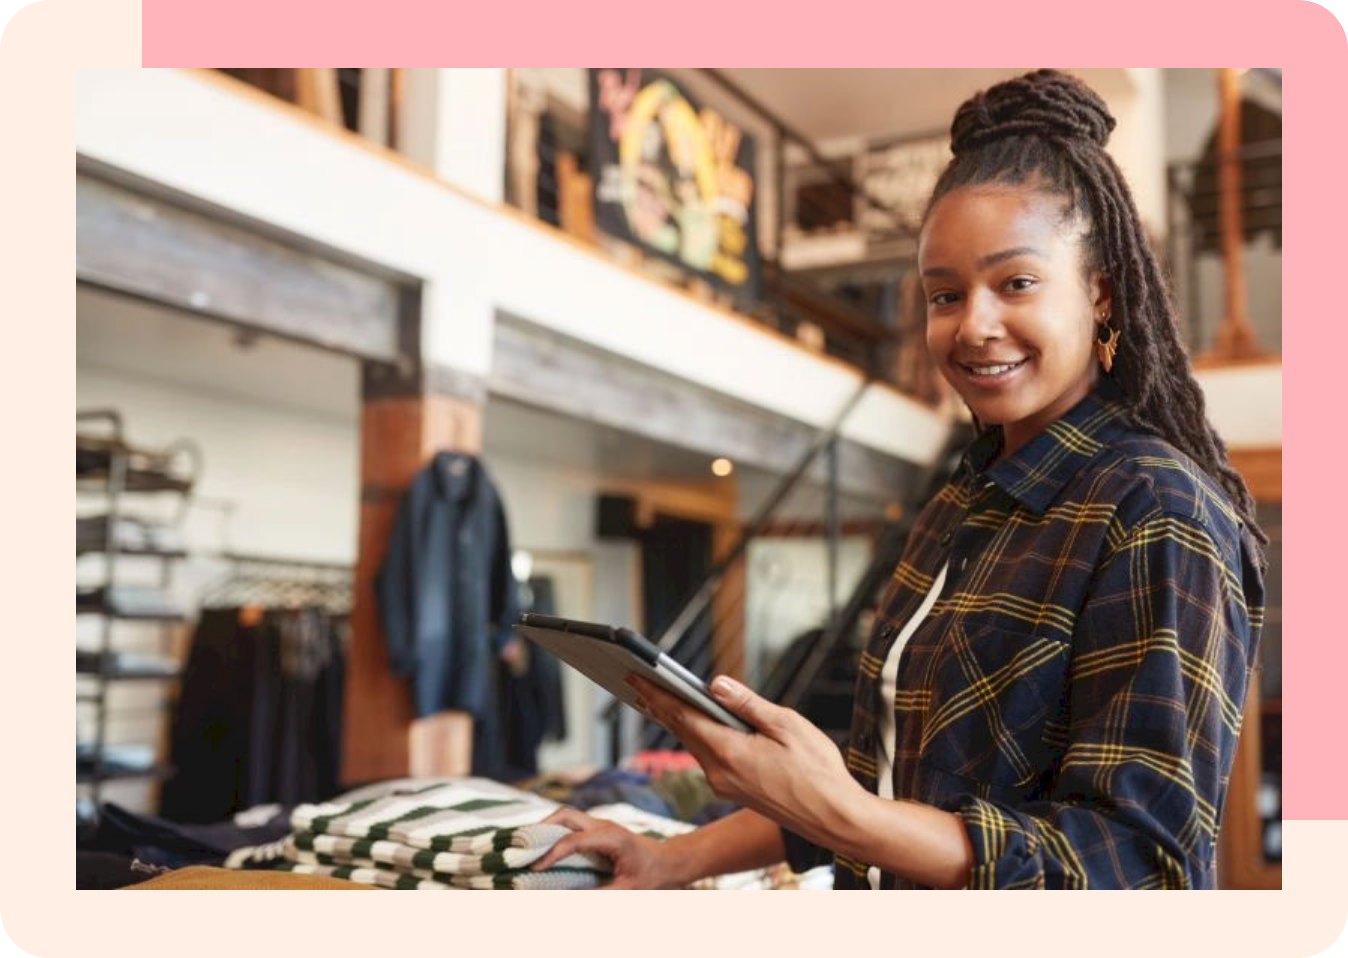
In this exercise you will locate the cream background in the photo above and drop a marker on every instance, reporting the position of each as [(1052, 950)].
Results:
[(38, 906)]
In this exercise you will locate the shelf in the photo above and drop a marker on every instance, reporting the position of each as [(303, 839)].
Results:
[(119, 761), (107, 466), (130, 551), (85, 775), (133, 675), (172, 617), (134, 603), (139, 668), (137, 480), (147, 470)]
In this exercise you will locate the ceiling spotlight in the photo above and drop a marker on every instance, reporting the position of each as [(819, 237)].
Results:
[(722, 467)]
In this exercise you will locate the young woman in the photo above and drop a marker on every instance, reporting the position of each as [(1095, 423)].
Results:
[(1053, 692)]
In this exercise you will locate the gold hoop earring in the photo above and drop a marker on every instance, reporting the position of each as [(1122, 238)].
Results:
[(1105, 348)]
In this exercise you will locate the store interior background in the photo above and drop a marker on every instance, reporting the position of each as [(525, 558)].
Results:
[(278, 421)]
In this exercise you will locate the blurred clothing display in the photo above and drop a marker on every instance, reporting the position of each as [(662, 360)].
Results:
[(106, 870), (119, 757), (654, 761), (466, 833), (124, 663), (458, 833), (160, 842), (128, 534), (529, 695), (678, 793), (259, 718), (447, 596), (130, 601)]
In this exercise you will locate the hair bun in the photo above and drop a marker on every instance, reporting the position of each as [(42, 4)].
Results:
[(1043, 103)]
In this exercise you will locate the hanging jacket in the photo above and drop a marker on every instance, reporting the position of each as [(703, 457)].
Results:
[(446, 593)]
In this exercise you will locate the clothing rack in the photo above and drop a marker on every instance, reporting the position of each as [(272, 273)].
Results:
[(259, 717), (280, 582), (114, 473)]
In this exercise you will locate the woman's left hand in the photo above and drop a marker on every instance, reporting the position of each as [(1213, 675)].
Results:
[(789, 771)]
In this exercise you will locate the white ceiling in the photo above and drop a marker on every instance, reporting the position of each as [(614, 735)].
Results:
[(875, 104), (127, 335)]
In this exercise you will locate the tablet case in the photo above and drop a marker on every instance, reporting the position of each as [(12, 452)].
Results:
[(608, 654)]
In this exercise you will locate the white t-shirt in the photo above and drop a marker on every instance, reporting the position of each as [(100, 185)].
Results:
[(889, 676)]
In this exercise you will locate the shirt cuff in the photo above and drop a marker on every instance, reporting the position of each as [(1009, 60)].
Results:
[(802, 854)]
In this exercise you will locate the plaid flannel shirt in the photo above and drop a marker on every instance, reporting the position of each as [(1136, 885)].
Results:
[(1076, 692)]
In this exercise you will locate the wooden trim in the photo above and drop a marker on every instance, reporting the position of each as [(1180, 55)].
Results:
[(317, 91), (374, 104), (712, 502), (1211, 360), (149, 247), (728, 606), (1261, 468), (546, 369), (216, 78), (1240, 845), (381, 736)]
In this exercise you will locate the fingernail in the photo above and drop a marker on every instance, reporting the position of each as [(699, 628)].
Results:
[(724, 685)]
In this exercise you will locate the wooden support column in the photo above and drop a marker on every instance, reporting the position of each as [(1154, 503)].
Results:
[(318, 91), (405, 421), (1240, 850), (1235, 336)]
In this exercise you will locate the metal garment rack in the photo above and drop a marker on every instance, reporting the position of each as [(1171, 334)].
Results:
[(109, 468), (276, 581)]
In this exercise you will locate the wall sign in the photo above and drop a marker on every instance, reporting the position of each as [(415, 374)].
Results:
[(673, 177)]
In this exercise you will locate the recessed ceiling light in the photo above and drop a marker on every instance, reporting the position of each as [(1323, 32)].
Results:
[(722, 467)]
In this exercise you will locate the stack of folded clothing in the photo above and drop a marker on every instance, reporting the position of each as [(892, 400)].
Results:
[(465, 833), (128, 534), (128, 600)]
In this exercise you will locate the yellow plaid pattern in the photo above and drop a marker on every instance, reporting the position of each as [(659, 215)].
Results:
[(1074, 695)]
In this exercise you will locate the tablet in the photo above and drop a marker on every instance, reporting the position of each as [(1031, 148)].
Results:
[(608, 654)]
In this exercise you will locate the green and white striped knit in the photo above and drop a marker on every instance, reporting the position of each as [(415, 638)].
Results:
[(556, 877), (471, 816), (462, 833), (390, 854)]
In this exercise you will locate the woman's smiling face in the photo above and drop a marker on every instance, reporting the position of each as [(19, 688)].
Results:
[(1002, 274)]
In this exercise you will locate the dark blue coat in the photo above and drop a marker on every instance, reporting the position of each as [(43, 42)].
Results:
[(447, 596)]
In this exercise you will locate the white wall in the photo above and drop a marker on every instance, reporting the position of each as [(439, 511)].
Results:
[(1138, 144), (292, 477), (454, 123), (786, 592), (278, 426), (198, 134), (1244, 404)]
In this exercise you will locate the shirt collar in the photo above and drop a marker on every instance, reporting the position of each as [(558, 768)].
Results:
[(1036, 472)]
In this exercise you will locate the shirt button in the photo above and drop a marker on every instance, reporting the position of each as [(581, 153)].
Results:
[(945, 539)]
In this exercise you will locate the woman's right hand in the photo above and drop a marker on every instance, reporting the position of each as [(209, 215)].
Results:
[(638, 861)]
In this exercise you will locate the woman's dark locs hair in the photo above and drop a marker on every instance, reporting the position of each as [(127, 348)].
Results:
[(1048, 130)]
